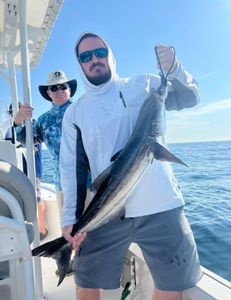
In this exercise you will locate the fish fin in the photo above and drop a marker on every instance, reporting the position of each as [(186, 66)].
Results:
[(163, 154), (99, 179), (114, 157), (121, 213), (63, 258), (49, 248)]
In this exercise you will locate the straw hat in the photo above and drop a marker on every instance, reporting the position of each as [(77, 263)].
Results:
[(54, 78)]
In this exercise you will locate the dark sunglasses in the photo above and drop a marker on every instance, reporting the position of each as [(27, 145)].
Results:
[(87, 56), (62, 87)]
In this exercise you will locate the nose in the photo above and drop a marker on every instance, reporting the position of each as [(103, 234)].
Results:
[(94, 58)]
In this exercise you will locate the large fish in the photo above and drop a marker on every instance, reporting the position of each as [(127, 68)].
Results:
[(114, 185)]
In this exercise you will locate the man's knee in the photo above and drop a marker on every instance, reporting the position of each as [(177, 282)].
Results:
[(88, 294), (166, 295)]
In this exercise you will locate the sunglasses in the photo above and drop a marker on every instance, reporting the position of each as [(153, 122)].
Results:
[(62, 87), (87, 56)]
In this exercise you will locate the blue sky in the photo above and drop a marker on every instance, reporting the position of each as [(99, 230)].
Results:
[(200, 31)]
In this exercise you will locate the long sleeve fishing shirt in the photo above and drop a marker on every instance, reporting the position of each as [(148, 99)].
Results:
[(48, 129)]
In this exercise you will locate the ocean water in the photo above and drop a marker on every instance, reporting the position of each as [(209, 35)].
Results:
[(206, 186)]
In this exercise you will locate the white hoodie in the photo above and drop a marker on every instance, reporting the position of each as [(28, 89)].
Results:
[(100, 123)]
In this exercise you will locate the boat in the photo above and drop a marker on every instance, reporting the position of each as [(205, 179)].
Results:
[(25, 28)]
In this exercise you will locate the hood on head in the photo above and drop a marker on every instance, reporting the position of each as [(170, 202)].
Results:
[(111, 62)]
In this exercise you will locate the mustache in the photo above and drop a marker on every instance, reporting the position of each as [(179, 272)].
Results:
[(98, 64)]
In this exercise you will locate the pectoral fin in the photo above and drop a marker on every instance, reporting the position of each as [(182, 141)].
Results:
[(163, 154)]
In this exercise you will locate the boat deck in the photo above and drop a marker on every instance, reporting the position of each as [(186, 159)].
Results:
[(67, 288)]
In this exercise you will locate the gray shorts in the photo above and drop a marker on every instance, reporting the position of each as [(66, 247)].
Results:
[(165, 239)]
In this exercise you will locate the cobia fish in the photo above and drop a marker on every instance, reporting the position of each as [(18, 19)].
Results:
[(114, 185)]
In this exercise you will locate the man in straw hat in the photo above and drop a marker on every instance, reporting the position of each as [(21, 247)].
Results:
[(48, 128)]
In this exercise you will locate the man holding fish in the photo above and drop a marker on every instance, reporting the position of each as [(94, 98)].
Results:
[(116, 130)]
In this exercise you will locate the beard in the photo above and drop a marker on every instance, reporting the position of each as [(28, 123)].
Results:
[(100, 77)]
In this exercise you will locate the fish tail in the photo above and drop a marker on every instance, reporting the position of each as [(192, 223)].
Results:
[(63, 260), (49, 248), (59, 250), (161, 153)]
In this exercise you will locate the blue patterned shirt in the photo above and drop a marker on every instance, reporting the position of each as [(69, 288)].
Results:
[(48, 129)]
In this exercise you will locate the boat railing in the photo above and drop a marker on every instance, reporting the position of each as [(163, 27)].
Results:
[(17, 213)]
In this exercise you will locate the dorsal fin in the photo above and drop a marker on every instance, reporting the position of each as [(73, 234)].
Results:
[(99, 179), (114, 157)]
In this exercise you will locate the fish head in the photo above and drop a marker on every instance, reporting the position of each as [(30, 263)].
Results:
[(152, 114)]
